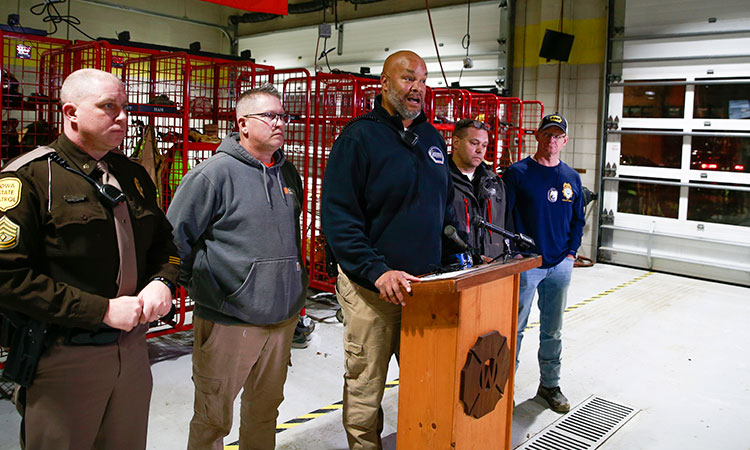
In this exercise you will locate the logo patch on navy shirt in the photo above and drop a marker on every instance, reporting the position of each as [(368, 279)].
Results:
[(567, 192), (552, 195), (436, 155)]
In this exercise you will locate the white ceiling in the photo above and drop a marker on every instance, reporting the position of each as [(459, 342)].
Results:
[(368, 41)]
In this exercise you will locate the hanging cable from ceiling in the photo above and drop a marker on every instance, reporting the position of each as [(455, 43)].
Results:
[(466, 42), (316, 67), (326, 51), (47, 7), (434, 40)]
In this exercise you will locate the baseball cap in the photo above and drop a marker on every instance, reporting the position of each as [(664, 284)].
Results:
[(554, 120)]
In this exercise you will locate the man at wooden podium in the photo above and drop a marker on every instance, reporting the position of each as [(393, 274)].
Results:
[(387, 195), (544, 197)]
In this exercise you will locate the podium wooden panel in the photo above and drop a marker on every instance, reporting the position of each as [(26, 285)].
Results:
[(439, 325)]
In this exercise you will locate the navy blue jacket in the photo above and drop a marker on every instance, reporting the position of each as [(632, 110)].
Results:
[(547, 204), (384, 204)]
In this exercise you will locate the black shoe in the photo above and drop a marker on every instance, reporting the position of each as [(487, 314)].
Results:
[(305, 326), (557, 401), (300, 340)]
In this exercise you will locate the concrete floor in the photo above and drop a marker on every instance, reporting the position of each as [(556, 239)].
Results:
[(670, 346)]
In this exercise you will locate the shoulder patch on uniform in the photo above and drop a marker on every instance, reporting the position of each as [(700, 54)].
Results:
[(436, 155), (9, 233), (174, 260), (10, 193)]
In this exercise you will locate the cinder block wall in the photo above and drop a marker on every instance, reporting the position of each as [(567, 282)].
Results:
[(573, 88)]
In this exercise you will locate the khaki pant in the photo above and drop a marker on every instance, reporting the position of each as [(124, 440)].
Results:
[(227, 359), (372, 330), (90, 397)]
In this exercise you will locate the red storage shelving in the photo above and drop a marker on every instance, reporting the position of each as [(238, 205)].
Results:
[(25, 105), (533, 111), (175, 92)]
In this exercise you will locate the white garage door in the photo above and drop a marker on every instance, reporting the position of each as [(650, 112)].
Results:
[(676, 182)]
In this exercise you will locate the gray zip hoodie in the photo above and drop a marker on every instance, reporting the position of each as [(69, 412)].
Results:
[(234, 228)]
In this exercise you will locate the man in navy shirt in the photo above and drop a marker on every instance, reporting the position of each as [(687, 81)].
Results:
[(544, 197), (387, 195)]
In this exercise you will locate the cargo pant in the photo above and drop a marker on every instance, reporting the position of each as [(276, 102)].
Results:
[(92, 397), (372, 330), (227, 358)]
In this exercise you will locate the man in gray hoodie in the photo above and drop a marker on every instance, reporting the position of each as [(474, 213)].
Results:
[(236, 227)]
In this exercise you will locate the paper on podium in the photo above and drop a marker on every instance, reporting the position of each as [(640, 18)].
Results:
[(446, 275)]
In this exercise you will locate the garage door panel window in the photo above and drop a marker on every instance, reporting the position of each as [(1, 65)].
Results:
[(722, 101), (725, 206), (720, 153), (657, 101), (648, 199), (650, 150)]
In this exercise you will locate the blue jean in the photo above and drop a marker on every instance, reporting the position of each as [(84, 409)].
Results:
[(552, 284)]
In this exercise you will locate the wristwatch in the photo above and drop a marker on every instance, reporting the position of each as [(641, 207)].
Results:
[(167, 283)]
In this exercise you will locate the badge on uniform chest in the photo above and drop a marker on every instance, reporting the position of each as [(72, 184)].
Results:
[(567, 192)]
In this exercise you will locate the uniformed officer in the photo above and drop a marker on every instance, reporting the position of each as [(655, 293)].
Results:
[(96, 268)]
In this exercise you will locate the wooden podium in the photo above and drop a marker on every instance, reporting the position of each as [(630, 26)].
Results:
[(457, 360)]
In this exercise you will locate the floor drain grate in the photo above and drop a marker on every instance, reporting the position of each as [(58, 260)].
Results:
[(586, 426)]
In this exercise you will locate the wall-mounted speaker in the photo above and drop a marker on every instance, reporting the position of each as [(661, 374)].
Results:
[(556, 45)]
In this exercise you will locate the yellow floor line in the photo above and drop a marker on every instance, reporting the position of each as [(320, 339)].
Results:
[(596, 297), (392, 384)]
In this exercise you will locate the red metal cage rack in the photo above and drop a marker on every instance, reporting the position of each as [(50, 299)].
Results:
[(533, 111), (24, 105), (182, 104)]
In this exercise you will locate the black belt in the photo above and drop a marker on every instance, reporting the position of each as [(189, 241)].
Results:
[(103, 336)]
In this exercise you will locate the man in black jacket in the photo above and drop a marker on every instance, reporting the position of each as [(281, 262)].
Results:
[(479, 192), (386, 199)]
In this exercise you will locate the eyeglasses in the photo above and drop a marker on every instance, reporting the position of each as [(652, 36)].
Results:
[(557, 137), (271, 116), (466, 123)]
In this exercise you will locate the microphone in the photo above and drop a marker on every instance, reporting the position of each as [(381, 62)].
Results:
[(450, 232), (519, 238), (466, 257)]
